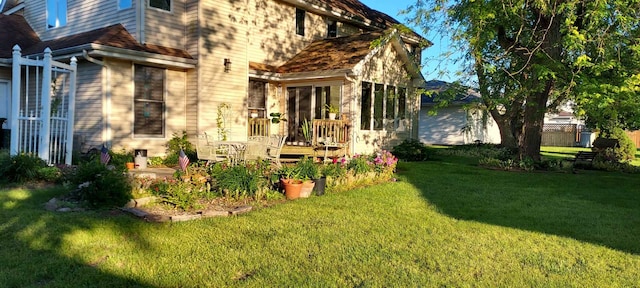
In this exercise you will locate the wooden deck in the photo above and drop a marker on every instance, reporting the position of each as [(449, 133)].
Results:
[(294, 153)]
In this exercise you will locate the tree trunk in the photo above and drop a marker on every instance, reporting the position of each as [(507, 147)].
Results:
[(534, 111)]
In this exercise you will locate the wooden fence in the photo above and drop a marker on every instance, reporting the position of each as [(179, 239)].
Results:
[(562, 135), (635, 137)]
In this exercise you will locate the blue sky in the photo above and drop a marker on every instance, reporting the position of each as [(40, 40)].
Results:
[(440, 46)]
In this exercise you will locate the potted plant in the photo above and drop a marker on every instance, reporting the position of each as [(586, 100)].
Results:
[(307, 171), (276, 117), (290, 182), (254, 113), (332, 110), (307, 129)]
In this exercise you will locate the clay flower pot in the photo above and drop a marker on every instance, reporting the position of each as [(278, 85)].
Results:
[(291, 188), (307, 188)]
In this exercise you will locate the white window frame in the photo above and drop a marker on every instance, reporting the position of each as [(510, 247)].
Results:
[(164, 106), (57, 14)]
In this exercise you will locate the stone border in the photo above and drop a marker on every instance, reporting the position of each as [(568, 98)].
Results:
[(133, 208)]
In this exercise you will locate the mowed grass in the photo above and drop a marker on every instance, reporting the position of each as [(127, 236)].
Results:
[(445, 223)]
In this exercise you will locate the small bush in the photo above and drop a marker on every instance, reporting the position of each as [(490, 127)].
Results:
[(177, 142), (334, 170), (99, 186), (239, 181), (626, 152), (306, 169), (412, 150), (22, 168), (181, 194), (359, 164)]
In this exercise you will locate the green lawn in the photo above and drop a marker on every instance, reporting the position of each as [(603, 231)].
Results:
[(570, 152), (445, 223)]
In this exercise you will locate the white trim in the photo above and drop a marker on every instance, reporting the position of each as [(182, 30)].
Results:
[(8, 106), (2, 2), (14, 9)]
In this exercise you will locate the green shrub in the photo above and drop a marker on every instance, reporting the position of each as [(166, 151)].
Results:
[(306, 169), (626, 152), (359, 164), (22, 168), (334, 170), (184, 195), (50, 174), (177, 142), (412, 150), (239, 181), (99, 186)]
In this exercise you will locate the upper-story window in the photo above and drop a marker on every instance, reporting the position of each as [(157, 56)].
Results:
[(124, 4), (300, 15), (161, 4), (56, 13), (332, 29)]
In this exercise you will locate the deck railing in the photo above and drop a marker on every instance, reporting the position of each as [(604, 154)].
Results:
[(330, 131), (259, 126)]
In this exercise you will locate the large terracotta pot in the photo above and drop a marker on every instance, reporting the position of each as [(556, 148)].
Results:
[(291, 188), (307, 188)]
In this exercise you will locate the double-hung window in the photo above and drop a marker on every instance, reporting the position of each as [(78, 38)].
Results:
[(160, 4), (149, 102), (56, 13), (300, 16)]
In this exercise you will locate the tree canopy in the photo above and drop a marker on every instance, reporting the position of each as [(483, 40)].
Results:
[(530, 56)]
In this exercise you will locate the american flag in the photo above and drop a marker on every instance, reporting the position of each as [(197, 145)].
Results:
[(104, 155), (183, 160)]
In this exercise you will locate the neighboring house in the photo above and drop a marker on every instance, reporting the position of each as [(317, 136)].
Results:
[(562, 117), (461, 122), (148, 69)]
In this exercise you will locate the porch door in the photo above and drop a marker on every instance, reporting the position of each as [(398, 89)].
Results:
[(298, 109), (5, 103)]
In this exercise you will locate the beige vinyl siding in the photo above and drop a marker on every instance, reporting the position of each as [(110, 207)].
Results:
[(345, 29), (166, 28), (272, 36), (192, 30), (223, 35), (88, 115), (122, 109), (82, 16), (387, 68)]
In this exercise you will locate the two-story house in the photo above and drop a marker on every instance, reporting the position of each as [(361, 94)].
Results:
[(150, 68)]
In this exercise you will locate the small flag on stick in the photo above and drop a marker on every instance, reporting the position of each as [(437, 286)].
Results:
[(104, 155), (183, 160)]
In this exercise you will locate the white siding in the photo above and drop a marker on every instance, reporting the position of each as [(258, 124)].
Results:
[(447, 127)]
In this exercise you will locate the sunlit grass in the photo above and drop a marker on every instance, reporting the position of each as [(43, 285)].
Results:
[(445, 223)]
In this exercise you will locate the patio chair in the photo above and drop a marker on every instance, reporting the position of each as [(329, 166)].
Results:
[(205, 148), (265, 147)]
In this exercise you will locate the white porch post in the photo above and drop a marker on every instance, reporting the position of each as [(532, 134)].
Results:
[(15, 100), (45, 112), (71, 110)]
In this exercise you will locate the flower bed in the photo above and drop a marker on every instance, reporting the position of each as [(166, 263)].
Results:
[(258, 182)]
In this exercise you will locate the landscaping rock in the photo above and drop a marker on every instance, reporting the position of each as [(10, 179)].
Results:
[(157, 218), (136, 212), (51, 205), (214, 213), (130, 204), (64, 209), (144, 201), (241, 210), (180, 218)]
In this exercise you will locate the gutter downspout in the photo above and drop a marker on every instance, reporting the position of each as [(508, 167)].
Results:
[(106, 99)]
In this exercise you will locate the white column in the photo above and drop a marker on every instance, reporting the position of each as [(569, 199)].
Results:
[(45, 112), (15, 100), (71, 111)]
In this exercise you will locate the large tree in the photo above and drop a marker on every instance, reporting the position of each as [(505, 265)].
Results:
[(530, 56)]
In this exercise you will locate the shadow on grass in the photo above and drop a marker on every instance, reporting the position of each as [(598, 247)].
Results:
[(33, 241), (596, 207)]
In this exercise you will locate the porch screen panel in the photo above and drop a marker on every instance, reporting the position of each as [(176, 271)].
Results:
[(378, 106), (257, 98), (326, 95), (149, 101), (365, 107), (291, 114)]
